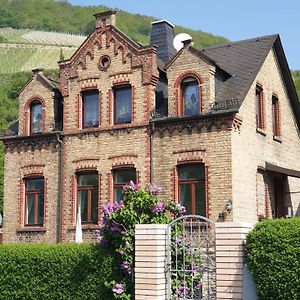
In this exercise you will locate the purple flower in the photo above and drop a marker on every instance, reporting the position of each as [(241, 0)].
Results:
[(198, 286), (109, 208), (125, 266), (115, 228), (122, 252), (118, 289), (134, 185), (182, 290), (127, 244), (160, 207), (154, 190), (182, 210)]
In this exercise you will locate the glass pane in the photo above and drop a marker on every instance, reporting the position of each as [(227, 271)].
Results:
[(30, 209), (83, 198), (186, 197), (123, 105), (36, 117), (124, 176), (40, 209), (35, 184), (200, 202), (118, 194), (94, 200), (91, 109), (88, 179), (191, 172), (191, 98)]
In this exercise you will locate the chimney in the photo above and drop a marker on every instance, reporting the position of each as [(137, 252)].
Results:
[(106, 18), (162, 36)]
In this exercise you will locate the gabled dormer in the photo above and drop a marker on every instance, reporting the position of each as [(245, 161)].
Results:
[(40, 106), (110, 80)]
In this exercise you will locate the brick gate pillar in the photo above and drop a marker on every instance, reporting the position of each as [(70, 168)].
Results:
[(150, 261), (230, 259)]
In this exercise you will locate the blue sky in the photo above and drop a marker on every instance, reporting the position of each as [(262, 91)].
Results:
[(233, 19)]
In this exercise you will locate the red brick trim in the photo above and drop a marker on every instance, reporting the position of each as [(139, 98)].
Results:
[(178, 91), (174, 183), (73, 200), (261, 121), (267, 197), (79, 110), (99, 198), (110, 107), (207, 191), (122, 166), (26, 125), (109, 183)]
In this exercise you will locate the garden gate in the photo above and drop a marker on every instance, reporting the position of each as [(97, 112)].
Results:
[(191, 261)]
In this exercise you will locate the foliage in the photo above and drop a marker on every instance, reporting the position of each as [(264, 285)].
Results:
[(140, 206), (273, 257), (296, 77), (50, 15), (57, 272)]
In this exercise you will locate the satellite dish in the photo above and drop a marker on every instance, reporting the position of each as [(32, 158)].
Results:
[(179, 39)]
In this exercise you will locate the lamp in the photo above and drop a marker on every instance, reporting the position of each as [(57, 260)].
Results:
[(227, 210), (229, 205)]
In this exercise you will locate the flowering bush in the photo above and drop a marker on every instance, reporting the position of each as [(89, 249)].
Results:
[(139, 206)]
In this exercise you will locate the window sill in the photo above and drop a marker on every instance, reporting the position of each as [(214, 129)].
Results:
[(31, 229), (86, 227), (261, 131), (277, 139)]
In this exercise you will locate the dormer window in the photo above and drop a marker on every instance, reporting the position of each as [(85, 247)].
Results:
[(36, 116), (123, 105), (90, 109), (190, 96)]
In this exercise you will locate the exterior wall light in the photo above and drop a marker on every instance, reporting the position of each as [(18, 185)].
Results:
[(229, 205)]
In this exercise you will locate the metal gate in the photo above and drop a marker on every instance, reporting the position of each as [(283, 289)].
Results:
[(191, 261)]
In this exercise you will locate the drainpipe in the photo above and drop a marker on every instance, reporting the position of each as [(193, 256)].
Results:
[(151, 151), (59, 190)]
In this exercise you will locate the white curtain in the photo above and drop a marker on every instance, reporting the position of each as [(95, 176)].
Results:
[(78, 232)]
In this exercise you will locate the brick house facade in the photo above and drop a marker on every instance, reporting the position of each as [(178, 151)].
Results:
[(212, 127)]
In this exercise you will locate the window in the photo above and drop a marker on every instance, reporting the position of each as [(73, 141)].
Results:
[(190, 96), (259, 103), (123, 105), (36, 113), (90, 109), (192, 188), (34, 202), (276, 116), (87, 189), (121, 178)]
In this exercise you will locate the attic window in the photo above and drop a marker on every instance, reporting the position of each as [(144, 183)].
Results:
[(36, 115), (104, 62), (190, 96), (259, 103)]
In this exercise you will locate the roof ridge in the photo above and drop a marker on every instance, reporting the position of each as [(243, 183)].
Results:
[(255, 39)]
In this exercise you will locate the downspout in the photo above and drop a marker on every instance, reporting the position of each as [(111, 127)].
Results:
[(59, 190), (151, 151)]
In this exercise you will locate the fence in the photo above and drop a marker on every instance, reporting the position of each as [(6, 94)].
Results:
[(151, 263)]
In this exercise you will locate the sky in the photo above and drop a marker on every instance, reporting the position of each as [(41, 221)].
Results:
[(233, 19)]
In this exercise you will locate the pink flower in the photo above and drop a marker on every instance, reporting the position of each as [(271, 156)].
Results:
[(118, 289)]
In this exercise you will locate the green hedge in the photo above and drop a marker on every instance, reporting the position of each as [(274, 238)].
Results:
[(55, 272), (273, 257)]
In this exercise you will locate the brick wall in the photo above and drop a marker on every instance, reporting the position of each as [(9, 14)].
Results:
[(251, 149)]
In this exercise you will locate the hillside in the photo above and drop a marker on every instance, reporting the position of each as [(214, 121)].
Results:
[(296, 77)]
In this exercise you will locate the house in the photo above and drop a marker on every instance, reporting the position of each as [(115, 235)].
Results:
[(216, 128)]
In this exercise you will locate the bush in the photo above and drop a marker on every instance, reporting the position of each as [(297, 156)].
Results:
[(54, 272), (273, 257), (139, 206)]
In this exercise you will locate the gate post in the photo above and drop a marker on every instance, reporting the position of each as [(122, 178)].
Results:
[(230, 259), (150, 261)]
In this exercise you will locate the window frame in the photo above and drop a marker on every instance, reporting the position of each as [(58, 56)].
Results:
[(36, 194), (83, 118), (259, 107), (119, 185), (89, 189), (192, 182), (185, 82), (276, 124), (32, 103), (115, 90)]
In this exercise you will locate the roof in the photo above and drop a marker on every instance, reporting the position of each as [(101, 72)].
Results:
[(243, 60)]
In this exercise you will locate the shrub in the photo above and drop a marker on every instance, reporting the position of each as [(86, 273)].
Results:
[(140, 206), (273, 257), (54, 272)]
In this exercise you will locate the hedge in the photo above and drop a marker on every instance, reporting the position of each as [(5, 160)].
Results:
[(55, 272), (273, 257)]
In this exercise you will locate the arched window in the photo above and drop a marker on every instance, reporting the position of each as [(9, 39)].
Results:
[(122, 177), (191, 102), (36, 117)]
